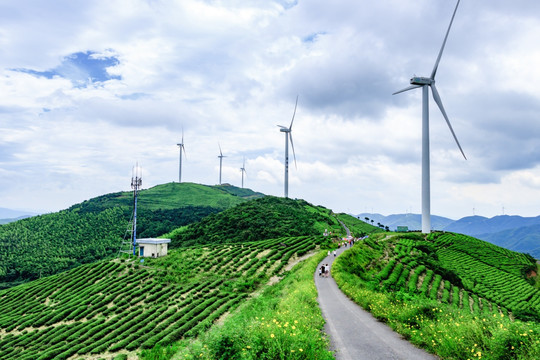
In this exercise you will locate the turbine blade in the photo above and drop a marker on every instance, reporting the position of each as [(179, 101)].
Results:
[(220, 153), (182, 135), (282, 127), (294, 155), (407, 89), (294, 113), (184, 148), (437, 99), (443, 44)]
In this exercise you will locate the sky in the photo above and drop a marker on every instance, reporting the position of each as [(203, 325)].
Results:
[(88, 89)]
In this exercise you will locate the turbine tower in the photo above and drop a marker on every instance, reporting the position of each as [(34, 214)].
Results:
[(243, 170), (181, 148), (220, 156), (424, 83), (288, 134)]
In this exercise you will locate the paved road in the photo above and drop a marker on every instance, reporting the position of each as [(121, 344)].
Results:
[(354, 333)]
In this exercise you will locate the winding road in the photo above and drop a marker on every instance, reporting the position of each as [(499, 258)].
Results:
[(354, 333)]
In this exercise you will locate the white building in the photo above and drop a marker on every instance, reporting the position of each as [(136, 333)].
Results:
[(153, 247)]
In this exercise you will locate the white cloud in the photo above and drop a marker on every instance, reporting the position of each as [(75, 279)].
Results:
[(229, 72)]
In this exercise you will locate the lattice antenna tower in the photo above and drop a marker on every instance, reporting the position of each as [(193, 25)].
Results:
[(129, 243), (136, 183)]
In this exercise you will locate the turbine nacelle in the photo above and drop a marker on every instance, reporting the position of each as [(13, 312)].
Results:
[(284, 129), (421, 81)]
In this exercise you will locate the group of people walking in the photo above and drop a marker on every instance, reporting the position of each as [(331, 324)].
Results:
[(324, 270)]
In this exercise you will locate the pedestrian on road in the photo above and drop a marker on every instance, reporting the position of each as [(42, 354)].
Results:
[(328, 252), (322, 270), (327, 270), (335, 253)]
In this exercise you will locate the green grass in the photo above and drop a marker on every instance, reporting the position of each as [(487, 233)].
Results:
[(173, 195), (282, 322)]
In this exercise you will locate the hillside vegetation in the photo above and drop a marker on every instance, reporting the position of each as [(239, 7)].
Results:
[(264, 218), (92, 230), (452, 294)]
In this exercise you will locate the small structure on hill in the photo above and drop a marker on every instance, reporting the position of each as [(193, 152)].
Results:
[(152, 247)]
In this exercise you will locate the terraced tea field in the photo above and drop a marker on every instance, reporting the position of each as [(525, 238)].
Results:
[(121, 306), (491, 279)]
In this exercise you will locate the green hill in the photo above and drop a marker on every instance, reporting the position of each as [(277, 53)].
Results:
[(113, 306), (92, 230)]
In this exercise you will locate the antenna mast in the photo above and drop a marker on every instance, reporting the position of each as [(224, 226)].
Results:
[(136, 183)]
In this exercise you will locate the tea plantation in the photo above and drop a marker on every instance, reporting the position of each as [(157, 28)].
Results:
[(120, 306)]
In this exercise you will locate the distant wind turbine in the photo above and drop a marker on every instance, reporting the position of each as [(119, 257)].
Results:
[(220, 156), (181, 148), (243, 170), (288, 134), (424, 83)]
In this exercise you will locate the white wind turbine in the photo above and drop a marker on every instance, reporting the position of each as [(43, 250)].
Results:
[(181, 148), (243, 170), (424, 83), (288, 134), (220, 156)]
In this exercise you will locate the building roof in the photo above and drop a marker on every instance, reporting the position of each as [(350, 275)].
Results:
[(153, 241)]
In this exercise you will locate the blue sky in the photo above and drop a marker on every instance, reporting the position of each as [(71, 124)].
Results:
[(82, 68), (88, 89)]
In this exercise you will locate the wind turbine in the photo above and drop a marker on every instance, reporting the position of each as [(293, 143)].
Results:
[(288, 134), (220, 156), (243, 170), (424, 83), (181, 148)]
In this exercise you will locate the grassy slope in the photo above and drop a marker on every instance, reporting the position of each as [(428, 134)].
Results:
[(175, 195), (358, 228), (465, 315)]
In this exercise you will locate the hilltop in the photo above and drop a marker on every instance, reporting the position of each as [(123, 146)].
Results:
[(92, 230)]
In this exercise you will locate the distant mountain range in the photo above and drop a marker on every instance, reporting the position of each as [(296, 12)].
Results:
[(9, 215), (513, 232)]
